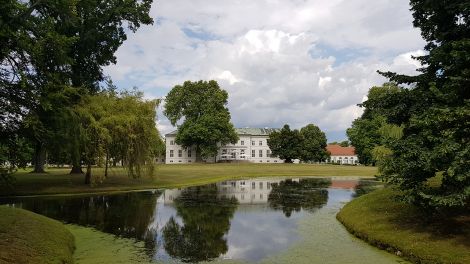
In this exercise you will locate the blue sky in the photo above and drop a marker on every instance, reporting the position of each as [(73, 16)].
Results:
[(281, 61)]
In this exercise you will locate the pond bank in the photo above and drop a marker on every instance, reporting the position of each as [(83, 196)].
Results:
[(400, 228), (26, 237), (59, 181)]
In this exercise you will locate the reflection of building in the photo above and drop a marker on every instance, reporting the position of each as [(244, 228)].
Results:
[(344, 184), (342, 155), (253, 191), (252, 146)]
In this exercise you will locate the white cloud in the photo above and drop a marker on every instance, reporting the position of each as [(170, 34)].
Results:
[(295, 62)]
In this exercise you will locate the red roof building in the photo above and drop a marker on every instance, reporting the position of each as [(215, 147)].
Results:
[(342, 155)]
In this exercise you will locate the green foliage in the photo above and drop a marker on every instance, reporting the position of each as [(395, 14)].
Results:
[(313, 144), (434, 111), (370, 130), (206, 122), (39, 87), (308, 144), (286, 143), (121, 126)]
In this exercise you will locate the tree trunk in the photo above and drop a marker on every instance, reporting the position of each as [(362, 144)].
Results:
[(106, 164), (76, 157), (39, 158), (88, 174), (198, 154), (76, 169)]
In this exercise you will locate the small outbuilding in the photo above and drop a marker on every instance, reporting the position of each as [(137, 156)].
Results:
[(342, 155)]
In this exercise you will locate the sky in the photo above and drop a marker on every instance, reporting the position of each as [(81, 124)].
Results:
[(282, 62)]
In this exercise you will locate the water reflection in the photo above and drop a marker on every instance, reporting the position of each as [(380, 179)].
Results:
[(205, 222), (127, 215), (246, 219), (294, 195)]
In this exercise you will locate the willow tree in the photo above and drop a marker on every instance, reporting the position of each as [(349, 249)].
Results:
[(125, 120), (206, 122)]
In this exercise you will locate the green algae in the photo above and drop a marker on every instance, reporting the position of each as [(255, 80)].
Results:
[(95, 247), (325, 240)]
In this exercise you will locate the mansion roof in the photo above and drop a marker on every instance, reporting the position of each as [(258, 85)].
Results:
[(244, 131)]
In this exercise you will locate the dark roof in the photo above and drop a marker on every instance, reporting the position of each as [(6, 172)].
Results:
[(243, 131)]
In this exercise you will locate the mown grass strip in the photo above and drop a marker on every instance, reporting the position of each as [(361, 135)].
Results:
[(59, 181)]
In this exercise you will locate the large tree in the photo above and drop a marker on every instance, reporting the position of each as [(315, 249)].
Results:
[(313, 144), (206, 119), (434, 110), (286, 143), (32, 78), (364, 133)]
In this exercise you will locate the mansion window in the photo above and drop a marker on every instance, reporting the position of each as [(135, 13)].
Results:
[(261, 186), (180, 153), (261, 143), (268, 153), (253, 185), (171, 153), (252, 142), (233, 155), (242, 143), (172, 142), (260, 153), (189, 153), (253, 153)]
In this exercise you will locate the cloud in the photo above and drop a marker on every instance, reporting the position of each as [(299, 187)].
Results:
[(295, 62)]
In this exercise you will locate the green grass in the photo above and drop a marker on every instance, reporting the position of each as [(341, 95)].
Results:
[(58, 181), (26, 237), (381, 220)]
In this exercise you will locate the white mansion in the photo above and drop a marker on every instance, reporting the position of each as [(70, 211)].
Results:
[(252, 146)]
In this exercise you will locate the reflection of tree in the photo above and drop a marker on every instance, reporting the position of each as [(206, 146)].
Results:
[(365, 187), (206, 219), (127, 215), (292, 196)]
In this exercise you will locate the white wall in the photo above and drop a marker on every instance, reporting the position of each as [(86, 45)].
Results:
[(224, 152), (344, 159)]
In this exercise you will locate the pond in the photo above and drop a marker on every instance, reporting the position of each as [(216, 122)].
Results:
[(254, 220)]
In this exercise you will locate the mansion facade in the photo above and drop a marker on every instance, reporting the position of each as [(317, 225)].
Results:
[(252, 146)]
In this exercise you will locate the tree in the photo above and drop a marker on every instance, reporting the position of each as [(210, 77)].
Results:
[(121, 126), (434, 110), (286, 144), (84, 36), (313, 144), (344, 143), (364, 133), (206, 122)]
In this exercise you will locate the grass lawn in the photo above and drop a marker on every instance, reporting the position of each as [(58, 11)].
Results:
[(382, 221), (26, 237), (59, 181)]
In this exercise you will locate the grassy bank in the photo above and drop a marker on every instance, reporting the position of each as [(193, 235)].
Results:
[(384, 222), (59, 181), (26, 237)]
